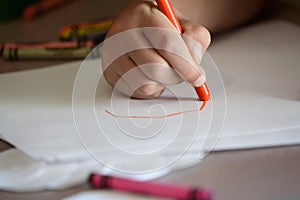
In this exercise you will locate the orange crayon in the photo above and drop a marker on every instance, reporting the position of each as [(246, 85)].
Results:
[(166, 7)]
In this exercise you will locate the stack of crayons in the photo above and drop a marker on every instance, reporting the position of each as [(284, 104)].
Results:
[(76, 42)]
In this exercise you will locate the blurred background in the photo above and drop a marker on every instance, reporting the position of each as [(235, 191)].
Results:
[(15, 26), (45, 26), (20, 23)]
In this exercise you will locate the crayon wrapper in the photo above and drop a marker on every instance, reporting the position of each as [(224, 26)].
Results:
[(16, 54), (54, 45), (84, 29)]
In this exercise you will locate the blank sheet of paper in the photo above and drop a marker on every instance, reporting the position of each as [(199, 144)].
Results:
[(37, 117), (261, 68)]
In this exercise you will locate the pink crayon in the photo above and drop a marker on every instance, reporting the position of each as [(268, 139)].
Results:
[(150, 188)]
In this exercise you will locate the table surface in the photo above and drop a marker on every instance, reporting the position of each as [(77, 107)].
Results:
[(267, 173)]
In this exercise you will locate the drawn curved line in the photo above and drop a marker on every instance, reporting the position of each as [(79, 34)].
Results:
[(151, 117)]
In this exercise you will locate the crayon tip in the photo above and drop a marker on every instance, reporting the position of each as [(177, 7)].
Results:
[(94, 180), (203, 105)]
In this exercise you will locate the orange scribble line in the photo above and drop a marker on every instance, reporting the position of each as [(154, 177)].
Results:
[(151, 117)]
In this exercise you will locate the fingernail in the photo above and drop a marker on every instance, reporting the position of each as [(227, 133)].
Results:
[(200, 81)]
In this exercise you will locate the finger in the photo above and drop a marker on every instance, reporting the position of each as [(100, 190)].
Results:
[(111, 77), (132, 81), (173, 49), (196, 51), (122, 65), (135, 84), (149, 91), (195, 48), (197, 32), (190, 72), (197, 38), (155, 67)]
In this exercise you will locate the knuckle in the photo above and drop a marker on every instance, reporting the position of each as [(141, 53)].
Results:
[(202, 35), (191, 75), (142, 8), (148, 91)]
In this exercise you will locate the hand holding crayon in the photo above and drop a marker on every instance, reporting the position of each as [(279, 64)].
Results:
[(140, 14)]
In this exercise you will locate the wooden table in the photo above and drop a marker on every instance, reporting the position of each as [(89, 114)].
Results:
[(269, 173)]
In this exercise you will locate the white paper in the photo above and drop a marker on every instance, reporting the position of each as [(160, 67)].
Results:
[(107, 195), (36, 117), (36, 114), (19, 173), (260, 67)]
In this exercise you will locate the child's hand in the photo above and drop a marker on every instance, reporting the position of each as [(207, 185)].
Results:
[(158, 67)]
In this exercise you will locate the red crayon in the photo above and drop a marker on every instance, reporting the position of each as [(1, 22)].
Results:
[(166, 7), (39, 8), (149, 188)]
